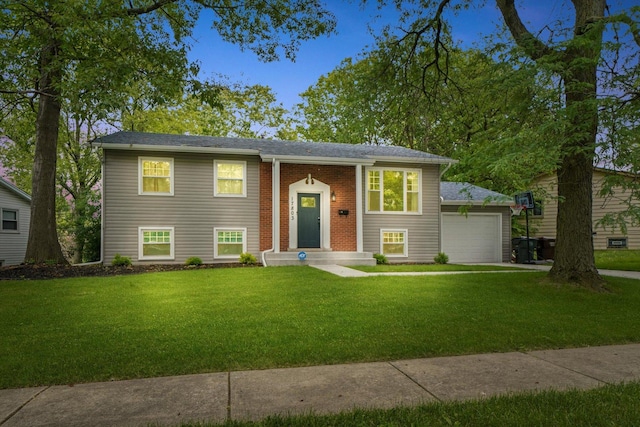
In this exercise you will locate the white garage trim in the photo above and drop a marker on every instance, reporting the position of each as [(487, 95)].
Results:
[(476, 237)]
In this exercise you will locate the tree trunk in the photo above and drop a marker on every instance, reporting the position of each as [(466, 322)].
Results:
[(574, 256), (43, 244)]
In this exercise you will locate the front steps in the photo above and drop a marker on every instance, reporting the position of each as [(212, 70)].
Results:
[(315, 257)]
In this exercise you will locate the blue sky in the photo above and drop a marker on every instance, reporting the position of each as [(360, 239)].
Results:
[(317, 57)]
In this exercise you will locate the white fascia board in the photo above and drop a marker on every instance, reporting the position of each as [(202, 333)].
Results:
[(15, 190), (474, 203), (414, 160), (310, 160), (177, 149)]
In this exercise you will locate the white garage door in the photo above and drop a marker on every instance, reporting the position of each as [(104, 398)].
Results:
[(471, 238)]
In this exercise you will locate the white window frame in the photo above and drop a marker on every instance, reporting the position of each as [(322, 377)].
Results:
[(215, 241), (404, 190), (143, 257), (17, 212), (141, 191), (215, 177), (405, 252)]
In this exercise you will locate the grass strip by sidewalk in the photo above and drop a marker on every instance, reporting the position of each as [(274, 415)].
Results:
[(611, 405), (97, 329)]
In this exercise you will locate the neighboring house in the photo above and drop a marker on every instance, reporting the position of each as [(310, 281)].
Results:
[(543, 219), (483, 232), (15, 208), (170, 197)]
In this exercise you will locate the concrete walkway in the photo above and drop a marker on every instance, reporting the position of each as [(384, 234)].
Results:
[(252, 395), (350, 272)]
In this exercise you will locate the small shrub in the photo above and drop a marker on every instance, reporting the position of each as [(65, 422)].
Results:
[(121, 261), (247, 259), (441, 258), (381, 259), (194, 260)]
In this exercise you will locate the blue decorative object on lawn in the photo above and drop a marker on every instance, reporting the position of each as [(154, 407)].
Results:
[(302, 255)]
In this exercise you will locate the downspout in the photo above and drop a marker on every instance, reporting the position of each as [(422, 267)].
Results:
[(273, 230), (441, 199), (446, 169)]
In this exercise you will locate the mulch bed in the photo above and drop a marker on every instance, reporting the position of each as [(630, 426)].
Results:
[(46, 271)]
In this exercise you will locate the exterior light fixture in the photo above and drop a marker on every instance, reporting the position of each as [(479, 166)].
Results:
[(333, 196)]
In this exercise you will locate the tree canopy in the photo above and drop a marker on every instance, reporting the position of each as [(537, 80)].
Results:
[(92, 53)]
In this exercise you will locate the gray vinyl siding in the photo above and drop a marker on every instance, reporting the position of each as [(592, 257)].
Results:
[(193, 211), (13, 244), (506, 223), (423, 231)]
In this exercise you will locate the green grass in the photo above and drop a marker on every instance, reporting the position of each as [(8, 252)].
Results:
[(82, 330), (391, 268), (612, 405), (618, 259)]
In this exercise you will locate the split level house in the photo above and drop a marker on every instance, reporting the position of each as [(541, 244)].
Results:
[(170, 197), (15, 208), (543, 219)]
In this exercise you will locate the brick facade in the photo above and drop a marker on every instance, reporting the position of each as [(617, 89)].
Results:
[(342, 181)]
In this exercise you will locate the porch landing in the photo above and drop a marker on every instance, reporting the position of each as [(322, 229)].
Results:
[(315, 257)]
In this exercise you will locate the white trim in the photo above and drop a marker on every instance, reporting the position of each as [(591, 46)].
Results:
[(142, 257), (359, 206), (175, 148), (217, 162), (404, 191), (275, 200), (172, 177), (243, 230), (324, 191), (17, 211), (405, 252), (312, 160)]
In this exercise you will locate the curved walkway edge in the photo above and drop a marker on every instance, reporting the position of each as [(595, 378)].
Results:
[(252, 395)]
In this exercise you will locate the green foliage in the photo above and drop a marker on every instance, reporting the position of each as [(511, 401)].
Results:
[(247, 259), (92, 58), (486, 116), (121, 261), (194, 260), (441, 258), (239, 111), (381, 259)]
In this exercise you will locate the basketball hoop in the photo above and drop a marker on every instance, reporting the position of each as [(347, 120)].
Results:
[(516, 209)]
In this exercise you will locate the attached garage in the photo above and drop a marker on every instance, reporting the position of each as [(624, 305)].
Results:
[(475, 237), (483, 234)]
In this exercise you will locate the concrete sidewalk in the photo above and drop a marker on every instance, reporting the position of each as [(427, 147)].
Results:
[(252, 395)]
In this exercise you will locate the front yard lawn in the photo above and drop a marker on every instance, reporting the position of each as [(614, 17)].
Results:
[(67, 331), (618, 259), (394, 268)]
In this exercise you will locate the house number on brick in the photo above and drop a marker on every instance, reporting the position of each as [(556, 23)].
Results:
[(292, 209)]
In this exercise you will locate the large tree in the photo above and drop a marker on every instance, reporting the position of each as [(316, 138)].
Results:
[(486, 120), (96, 49), (571, 47)]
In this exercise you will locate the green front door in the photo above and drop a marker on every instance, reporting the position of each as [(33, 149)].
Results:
[(308, 220)]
